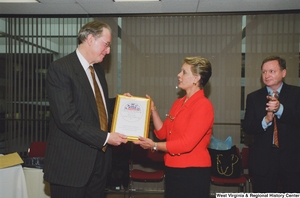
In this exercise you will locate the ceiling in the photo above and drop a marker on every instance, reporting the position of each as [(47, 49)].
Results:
[(109, 7)]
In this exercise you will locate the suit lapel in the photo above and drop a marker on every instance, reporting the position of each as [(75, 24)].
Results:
[(84, 82), (260, 100), (284, 93)]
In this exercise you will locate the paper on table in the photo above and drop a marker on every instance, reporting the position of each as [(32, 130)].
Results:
[(10, 160)]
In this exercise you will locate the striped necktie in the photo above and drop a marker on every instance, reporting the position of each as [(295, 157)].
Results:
[(275, 133), (100, 104)]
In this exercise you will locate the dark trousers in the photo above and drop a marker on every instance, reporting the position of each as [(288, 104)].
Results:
[(277, 179), (187, 182), (93, 189)]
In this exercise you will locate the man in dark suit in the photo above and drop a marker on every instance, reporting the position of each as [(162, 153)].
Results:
[(271, 163), (75, 164)]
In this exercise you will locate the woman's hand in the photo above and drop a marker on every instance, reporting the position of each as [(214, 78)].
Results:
[(145, 143), (152, 105), (127, 94)]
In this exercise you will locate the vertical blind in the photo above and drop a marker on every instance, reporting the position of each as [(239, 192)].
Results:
[(153, 49), (31, 45), (271, 35), (146, 56)]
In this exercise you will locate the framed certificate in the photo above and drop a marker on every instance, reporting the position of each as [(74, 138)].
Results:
[(131, 116)]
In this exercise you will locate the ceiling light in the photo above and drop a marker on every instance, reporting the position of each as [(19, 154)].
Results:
[(19, 1), (134, 0)]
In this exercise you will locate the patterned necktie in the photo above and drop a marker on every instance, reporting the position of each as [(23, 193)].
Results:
[(275, 134), (100, 104)]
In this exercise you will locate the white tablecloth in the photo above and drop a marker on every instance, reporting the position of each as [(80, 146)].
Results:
[(36, 186), (12, 182)]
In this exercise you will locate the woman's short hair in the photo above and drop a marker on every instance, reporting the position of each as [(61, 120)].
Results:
[(200, 66)]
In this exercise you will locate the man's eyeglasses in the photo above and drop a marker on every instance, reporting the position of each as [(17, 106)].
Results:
[(107, 44)]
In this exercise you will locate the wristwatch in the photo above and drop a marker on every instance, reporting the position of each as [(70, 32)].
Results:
[(155, 146)]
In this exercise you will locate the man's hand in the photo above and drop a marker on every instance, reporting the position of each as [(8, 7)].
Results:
[(269, 117), (273, 104), (116, 139)]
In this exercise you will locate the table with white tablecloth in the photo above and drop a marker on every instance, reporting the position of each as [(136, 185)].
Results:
[(12, 182), (36, 186)]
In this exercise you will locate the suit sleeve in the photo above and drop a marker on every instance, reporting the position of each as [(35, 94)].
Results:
[(71, 108), (291, 104), (255, 113)]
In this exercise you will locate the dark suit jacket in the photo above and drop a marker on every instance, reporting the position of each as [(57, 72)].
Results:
[(75, 137), (288, 130)]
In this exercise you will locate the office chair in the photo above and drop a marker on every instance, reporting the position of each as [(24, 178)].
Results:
[(245, 167), (146, 159), (37, 149), (36, 154), (240, 181)]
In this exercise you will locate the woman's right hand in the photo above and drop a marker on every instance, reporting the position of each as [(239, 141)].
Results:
[(127, 94), (145, 143), (152, 106)]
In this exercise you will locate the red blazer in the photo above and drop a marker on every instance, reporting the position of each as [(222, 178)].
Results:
[(187, 131)]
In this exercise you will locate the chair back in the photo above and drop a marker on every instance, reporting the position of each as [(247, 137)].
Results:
[(245, 158), (37, 149), (138, 154), (156, 156)]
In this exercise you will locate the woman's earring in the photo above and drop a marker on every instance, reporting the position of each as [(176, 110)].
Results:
[(194, 83)]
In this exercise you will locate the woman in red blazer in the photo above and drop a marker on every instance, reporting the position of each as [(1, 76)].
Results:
[(186, 131)]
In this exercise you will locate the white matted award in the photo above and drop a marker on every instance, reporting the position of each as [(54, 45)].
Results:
[(131, 116)]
